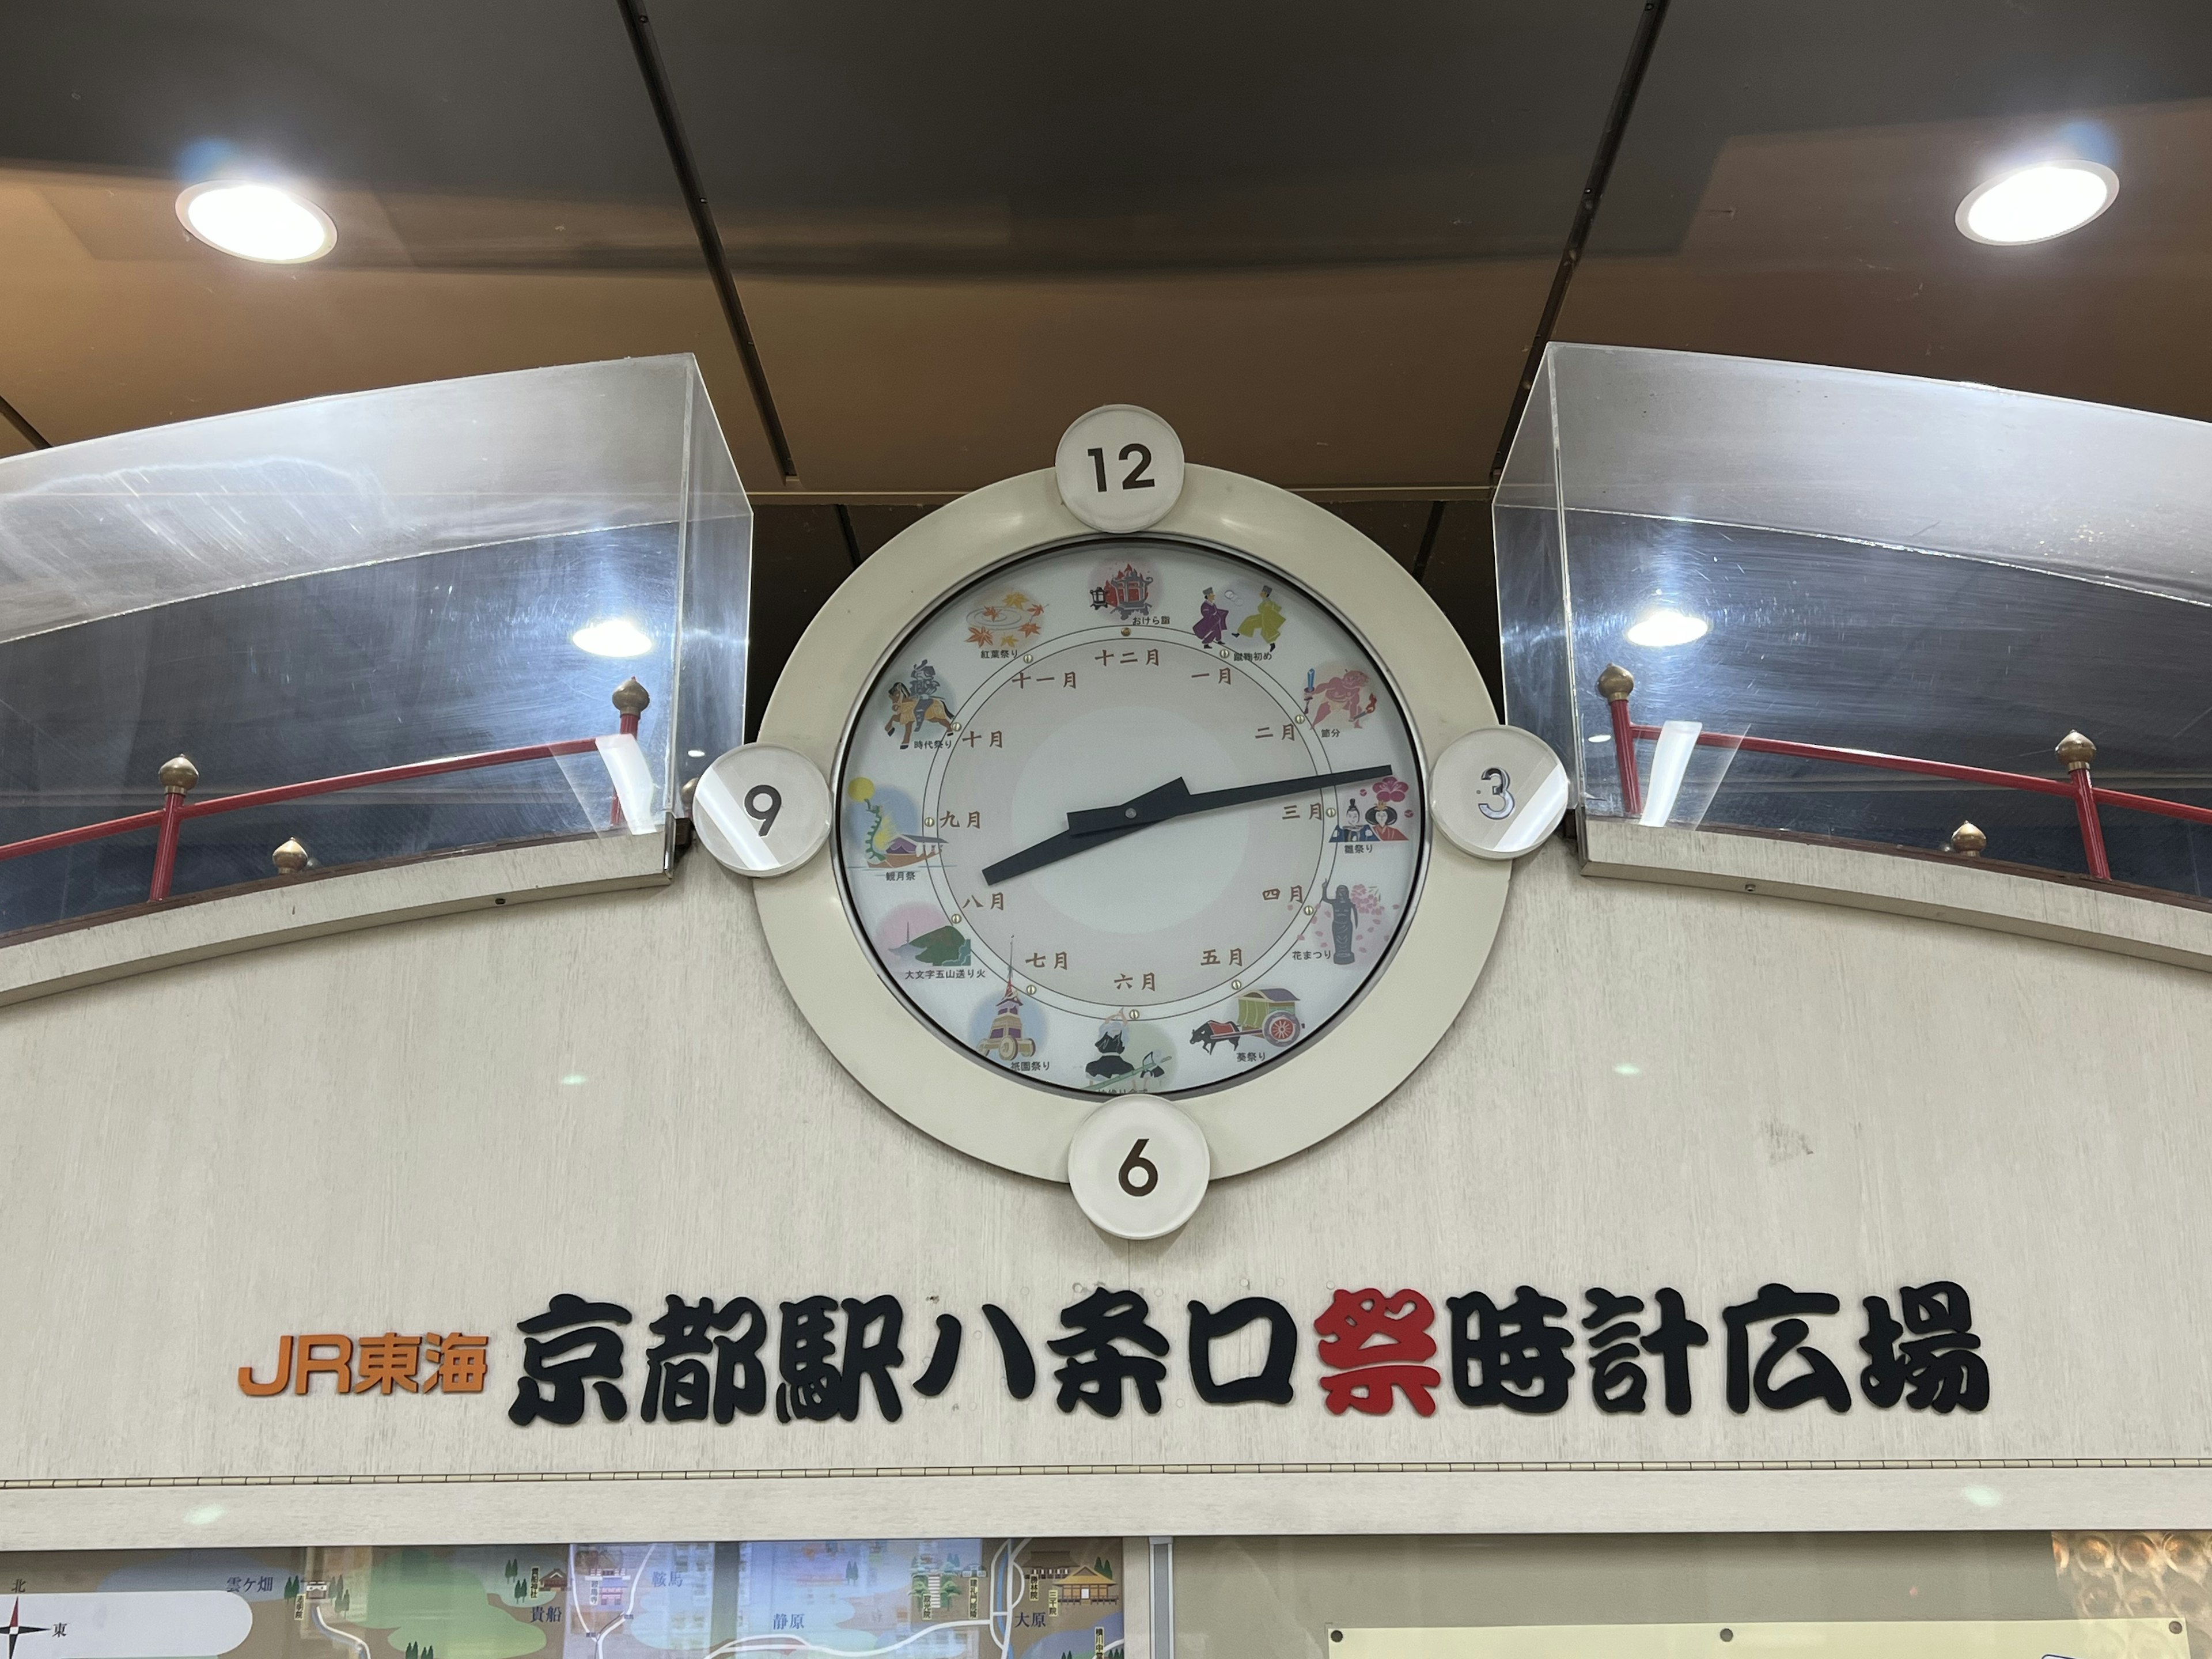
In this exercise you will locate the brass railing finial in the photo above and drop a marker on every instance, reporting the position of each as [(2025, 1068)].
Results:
[(289, 858), (1967, 840), (179, 776)]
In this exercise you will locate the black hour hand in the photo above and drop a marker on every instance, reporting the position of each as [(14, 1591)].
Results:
[(1168, 801)]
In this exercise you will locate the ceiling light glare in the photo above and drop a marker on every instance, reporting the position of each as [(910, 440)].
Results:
[(1666, 627), (258, 222), (2034, 204), (617, 636)]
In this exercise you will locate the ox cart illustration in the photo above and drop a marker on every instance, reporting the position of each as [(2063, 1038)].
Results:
[(1271, 1015)]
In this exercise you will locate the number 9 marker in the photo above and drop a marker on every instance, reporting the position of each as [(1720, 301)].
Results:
[(761, 810)]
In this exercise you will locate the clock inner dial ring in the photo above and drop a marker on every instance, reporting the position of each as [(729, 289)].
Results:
[(1249, 831)]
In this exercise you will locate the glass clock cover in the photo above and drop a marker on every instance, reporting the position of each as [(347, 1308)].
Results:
[(1130, 679)]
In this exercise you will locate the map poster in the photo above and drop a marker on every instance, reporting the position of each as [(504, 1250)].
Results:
[(918, 1598)]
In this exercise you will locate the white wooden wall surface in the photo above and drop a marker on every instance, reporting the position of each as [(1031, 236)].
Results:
[(372, 1132)]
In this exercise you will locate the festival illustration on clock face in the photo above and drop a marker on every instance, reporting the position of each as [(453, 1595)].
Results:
[(1129, 816)]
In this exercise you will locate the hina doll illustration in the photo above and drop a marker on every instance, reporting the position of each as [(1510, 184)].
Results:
[(1383, 817)]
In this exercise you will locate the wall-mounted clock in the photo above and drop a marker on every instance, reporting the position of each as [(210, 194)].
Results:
[(1128, 813)]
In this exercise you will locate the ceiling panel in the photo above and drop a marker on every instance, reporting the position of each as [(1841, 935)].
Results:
[(1317, 240), (501, 192), (1788, 185), (1359, 376)]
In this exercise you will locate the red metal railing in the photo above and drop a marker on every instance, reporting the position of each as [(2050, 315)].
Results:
[(179, 776), (1616, 684)]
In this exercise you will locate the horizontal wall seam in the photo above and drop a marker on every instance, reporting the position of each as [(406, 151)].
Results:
[(104, 1483)]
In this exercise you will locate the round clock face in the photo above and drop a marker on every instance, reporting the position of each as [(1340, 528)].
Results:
[(1130, 815)]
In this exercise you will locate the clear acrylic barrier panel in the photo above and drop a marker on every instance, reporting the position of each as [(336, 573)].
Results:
[(1799, 560), (427, 602)]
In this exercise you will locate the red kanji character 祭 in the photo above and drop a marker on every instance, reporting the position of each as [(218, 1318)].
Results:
[(1374, 1343)]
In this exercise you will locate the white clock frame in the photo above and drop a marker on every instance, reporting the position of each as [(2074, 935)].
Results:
[(1315, 1089)]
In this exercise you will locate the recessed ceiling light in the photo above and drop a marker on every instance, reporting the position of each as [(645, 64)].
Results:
[(2034, 204), (618, 636), (258, 222), (1666, 627)]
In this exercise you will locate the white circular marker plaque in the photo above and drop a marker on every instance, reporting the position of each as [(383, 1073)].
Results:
[(1120, 468), (1138, 1167), (1497, 793), (761, 810)]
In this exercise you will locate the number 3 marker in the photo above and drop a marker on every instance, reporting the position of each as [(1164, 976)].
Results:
[(1499, 792)]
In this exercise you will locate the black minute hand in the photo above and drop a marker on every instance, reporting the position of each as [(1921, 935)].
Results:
[(1096, 826), (1158, 806)]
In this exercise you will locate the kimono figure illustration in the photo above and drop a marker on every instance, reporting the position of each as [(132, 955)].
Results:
[(1212, 619), (1266, 622)]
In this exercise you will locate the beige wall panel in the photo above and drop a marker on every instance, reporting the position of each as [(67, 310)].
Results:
[(946, 1503), (1307, 378), (119, 319), (437, 1125)]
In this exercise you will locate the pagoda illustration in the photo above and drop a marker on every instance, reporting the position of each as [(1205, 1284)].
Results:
[(1006, 1042)]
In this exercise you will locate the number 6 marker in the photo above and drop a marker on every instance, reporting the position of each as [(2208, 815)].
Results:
[(1139, 1166)]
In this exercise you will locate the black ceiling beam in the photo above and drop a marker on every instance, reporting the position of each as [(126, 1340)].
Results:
[(649, 65), (1640, 47), (1428, 540), (31, 435)]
